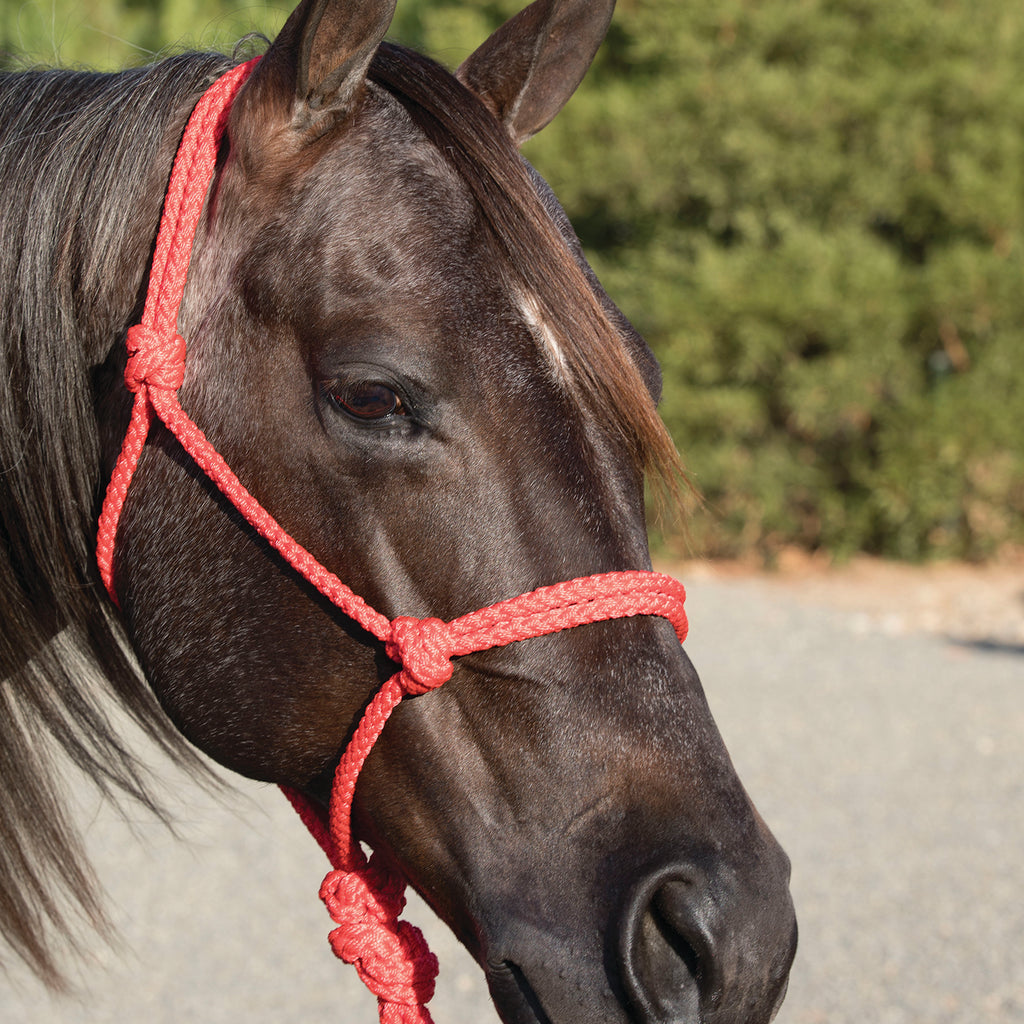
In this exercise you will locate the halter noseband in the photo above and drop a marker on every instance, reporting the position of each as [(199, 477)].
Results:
[(363, 896)]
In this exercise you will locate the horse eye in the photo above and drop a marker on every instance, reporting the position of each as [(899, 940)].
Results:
[(367, 400)]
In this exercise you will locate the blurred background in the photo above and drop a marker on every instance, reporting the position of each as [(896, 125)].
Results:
[(813, 210)]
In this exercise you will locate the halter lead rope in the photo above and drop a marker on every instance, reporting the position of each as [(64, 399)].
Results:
[(364, 897)]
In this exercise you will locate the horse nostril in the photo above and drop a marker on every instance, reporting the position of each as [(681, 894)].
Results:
[(709, 944), (669, 965)]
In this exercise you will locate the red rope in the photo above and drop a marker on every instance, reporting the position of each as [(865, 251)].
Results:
[(364, 897)]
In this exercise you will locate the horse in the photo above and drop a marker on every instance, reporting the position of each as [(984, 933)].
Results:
[(395, 340)]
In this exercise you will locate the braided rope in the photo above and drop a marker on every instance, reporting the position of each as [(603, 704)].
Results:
[(364, 897)]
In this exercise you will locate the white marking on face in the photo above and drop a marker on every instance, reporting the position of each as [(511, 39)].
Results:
[(530, 308)]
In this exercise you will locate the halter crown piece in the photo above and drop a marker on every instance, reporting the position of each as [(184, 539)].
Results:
[(364, 897)]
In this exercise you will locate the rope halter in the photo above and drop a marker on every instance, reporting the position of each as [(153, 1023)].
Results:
[(364, 897)]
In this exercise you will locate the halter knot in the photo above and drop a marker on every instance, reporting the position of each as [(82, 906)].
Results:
[(423, 647), (390, 956), (155, 359)]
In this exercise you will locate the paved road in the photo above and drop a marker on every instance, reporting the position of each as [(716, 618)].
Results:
[(891, 768)]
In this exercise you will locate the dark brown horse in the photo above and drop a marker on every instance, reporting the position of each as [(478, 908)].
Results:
[(395, 341)]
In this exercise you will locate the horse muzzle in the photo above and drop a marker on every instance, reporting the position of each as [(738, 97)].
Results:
[(691, 944)]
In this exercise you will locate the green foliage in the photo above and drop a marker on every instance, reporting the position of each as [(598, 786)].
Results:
[(109, 34), (814, 211), (812, 208)]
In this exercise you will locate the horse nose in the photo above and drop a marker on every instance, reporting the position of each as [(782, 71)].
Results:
[(700, 944)]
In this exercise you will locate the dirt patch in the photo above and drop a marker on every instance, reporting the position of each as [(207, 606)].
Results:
[(968, 603)]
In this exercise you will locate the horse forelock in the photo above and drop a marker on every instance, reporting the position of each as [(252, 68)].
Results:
[(546, 281)]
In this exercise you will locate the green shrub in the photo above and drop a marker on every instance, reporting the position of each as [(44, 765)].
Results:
[(814, 210), (109, 34)]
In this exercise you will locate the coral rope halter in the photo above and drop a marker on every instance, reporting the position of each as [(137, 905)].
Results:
[(363, 896)]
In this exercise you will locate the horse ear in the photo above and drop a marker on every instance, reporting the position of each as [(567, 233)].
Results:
[(315, 69), (531, 66)]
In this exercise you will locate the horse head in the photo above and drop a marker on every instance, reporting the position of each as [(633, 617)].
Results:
[(396, 342)]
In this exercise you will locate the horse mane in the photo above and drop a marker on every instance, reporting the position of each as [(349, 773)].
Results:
[(84, 158), (534, 254)]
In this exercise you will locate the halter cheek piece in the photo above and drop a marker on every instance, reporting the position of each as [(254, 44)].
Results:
[(364, 897)]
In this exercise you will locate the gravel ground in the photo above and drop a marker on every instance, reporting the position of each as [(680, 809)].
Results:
[(885, 748), (978, 604), (880, 730)]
